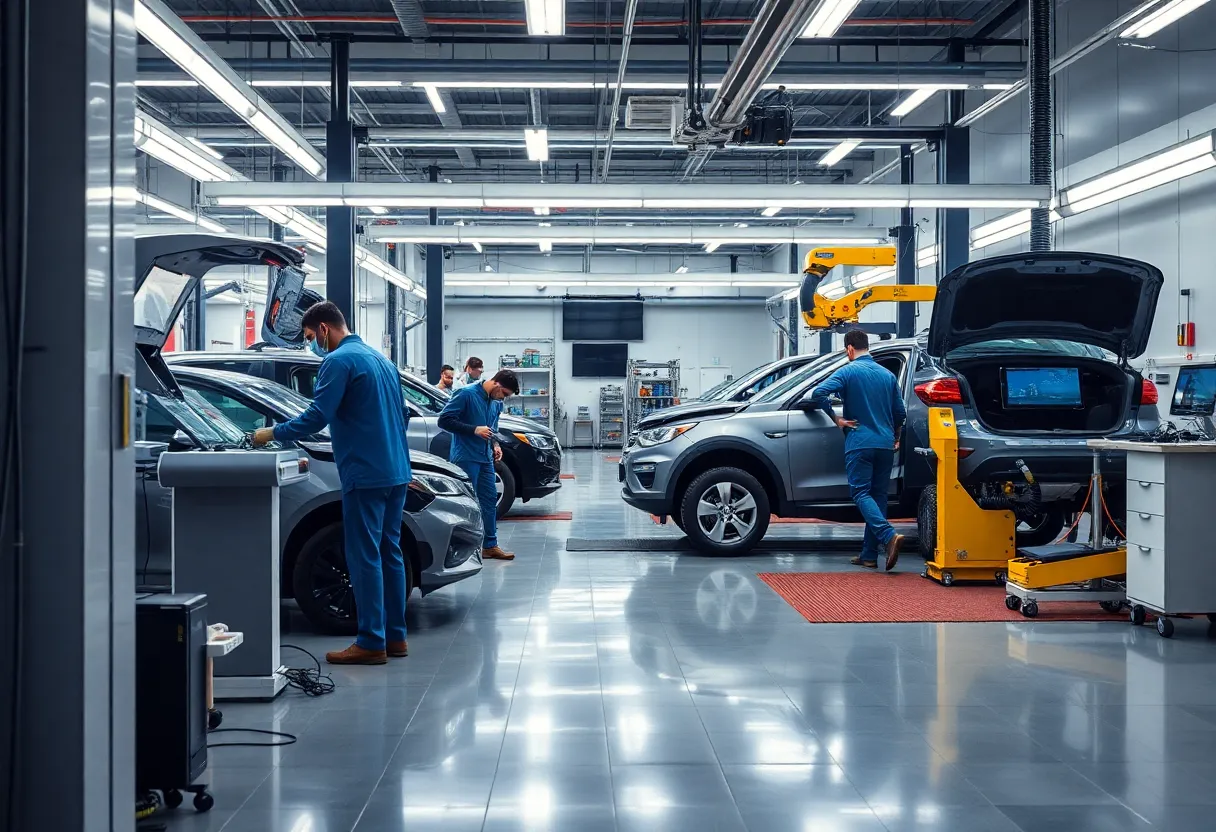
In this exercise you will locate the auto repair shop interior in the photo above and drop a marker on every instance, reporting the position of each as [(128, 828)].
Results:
[(661, 221)]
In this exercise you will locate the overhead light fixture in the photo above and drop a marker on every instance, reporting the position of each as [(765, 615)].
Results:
[(159, 142), (309, 267), (1169, 165), (682, 270), (1001, 228), (771, 211), (166, 31), (536, 139), (378, 210), (828, 17), (1160, 17), (317, 247), (740, 225), (541, 210), (545, 246), (913, 101), (926, 256), (432, 94), (477, 247), (546, 18), (833, 290), (973, 203), (165, 207), (710, 248), (206, 148), (839, 152)]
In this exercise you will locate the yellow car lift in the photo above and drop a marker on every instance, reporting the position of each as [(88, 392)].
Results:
[(820, 313)]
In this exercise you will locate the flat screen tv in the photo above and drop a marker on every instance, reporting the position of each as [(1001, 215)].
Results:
[(1195, 392), (1042, 387), (602, 320), (598, 360)]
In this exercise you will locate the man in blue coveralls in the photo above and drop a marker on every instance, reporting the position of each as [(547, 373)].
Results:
[(358, 395), (471, 416), (874, 415)]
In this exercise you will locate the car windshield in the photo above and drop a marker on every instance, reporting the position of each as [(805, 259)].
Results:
[(159, 417), (719, 390), (215, 421), (1049, 346), (428, 398), (282, 400), (795, 379)]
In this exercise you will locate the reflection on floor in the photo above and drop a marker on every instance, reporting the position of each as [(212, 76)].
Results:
[(671, 692)]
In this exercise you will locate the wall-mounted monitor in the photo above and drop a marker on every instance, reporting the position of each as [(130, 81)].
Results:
[(602, 320), (598, 360), (1195, 392)]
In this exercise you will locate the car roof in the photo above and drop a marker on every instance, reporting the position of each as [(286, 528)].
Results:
[(248, 355)]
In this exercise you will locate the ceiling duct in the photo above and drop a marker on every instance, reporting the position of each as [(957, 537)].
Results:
[(654, 112), (777, 25)]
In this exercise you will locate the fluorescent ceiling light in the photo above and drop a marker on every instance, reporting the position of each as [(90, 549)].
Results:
[(477, 247), (174, 210), (839, 152), (541, 210), (926, 256), (206, 148), (832, 290), (546, 18), (536, 139), (378, 210), (1161, 17), (912, 102), (165, 30), (395, 202), (871, 276), (682, 270), (710, 248), (545, 246), (161, 143), (319, 249), (575, 202), (435, 98), (706, 204), (309, 267), (1174, 163), (974, 203), (827, 19), (771, 211)]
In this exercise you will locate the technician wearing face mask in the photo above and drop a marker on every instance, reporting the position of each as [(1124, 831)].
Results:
[(358, 395)]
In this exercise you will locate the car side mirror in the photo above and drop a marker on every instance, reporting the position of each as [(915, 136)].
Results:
[(180, 442)]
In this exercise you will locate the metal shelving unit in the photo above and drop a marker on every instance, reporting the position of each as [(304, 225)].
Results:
[(536, 398), (649, 386), (612, 415)]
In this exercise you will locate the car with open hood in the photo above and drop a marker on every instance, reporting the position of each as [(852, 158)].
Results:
[(441, 525), (1031, 352), (532, 455)]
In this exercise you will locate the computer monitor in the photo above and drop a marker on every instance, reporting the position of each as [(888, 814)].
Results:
[(1195, 392), (1042, 387)]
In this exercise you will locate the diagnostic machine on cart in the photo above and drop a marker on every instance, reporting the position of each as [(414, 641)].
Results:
[(226, 544)]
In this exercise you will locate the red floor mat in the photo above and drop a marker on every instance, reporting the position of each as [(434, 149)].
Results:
[(612, 459), (555, 515), (877, 597), (567, 476)]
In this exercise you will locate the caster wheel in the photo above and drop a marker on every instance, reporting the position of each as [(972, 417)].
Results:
[(1137, 615), (1030, 609), (1111, 606), (173, 799), (924, 573), (1165, 627), (947, 579), (1012, 602), (999, 577), (203, 802), (215, 718)]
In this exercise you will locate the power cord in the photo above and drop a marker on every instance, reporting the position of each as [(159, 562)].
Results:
[(308, 680), (290, 739)]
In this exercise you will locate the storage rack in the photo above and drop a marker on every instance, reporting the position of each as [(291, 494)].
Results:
[(536, 399), (650, 386), (612, 415)]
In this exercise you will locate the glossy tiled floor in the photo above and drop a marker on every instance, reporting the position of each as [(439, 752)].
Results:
[(590, 692)]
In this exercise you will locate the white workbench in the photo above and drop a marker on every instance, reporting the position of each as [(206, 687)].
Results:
[(1171, 518)]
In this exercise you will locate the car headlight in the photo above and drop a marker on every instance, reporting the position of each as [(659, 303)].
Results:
[(437, 485), (657, 436), (537, 440)]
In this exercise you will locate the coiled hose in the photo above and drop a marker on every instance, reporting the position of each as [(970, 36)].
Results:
[(1042, 164), (1025, 507)]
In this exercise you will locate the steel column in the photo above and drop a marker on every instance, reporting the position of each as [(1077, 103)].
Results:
[(278, 173), (67, 539), (391, 298), (954, 168), (1042, 118), (905, 250), (340, 167), (434, 297)]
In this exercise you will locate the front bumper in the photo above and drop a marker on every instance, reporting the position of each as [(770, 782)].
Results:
[(451, 536), (645, 474), (540, 471)]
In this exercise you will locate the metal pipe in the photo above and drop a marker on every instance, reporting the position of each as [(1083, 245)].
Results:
[(778, 24), (631, 8), (665, 23), (1042, 161)]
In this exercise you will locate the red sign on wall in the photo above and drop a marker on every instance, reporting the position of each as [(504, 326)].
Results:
[(250, 328)]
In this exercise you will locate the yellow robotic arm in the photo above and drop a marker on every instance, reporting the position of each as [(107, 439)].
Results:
[(820, 313)]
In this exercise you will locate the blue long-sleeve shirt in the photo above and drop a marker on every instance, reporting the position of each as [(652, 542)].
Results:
[(358, 395), (871, 397), (468, 409)]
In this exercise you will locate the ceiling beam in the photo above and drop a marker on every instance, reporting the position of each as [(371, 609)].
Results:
[(412, 19)]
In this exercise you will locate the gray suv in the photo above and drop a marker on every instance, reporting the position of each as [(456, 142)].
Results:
[(720, 470)]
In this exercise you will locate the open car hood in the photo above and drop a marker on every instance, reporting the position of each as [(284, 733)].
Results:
[(168, 269), (286, 304), (692, 410), (1097, 299)]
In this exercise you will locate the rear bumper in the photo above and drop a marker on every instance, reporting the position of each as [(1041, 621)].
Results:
[(1049, 465)]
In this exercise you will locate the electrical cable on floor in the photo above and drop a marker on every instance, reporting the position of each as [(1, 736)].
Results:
[(290, 739), (308, 680)]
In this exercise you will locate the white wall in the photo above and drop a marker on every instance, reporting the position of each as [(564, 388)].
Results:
[(739, 336)]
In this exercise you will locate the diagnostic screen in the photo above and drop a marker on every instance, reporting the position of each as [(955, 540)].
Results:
[(1042, 387), (1195, 394)]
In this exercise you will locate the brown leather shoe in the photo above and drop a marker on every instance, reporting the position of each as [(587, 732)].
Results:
[(497, 553), (398, 649), (893, 551), (357, 655)]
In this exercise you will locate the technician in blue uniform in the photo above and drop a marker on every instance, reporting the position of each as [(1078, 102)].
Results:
[(471, 416), (358, 395), (873, 420)]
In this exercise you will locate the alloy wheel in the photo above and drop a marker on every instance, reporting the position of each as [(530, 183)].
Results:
[(331, 584), (726, 512)]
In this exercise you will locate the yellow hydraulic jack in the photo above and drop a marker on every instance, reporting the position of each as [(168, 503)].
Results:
[(972, 543)]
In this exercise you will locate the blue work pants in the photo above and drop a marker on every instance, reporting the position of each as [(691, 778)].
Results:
[(482, 475), (869, 474), (372, 520)]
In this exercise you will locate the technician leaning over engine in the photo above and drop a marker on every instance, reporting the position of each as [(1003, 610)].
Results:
[(358, 395)]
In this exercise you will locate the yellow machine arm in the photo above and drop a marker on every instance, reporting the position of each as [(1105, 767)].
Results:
[(820, 313)]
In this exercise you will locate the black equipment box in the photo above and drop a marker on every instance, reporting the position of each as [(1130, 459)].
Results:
[(170, 690)]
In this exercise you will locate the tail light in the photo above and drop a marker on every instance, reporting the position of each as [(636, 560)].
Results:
[(940, 391), (1148, 392)]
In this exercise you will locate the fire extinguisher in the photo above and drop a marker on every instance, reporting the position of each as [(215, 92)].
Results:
[(1186, 329)]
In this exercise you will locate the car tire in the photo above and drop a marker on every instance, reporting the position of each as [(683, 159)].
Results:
[(709, 532), (926, 522), (504, 482), (321, 582), (1044, 529)]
